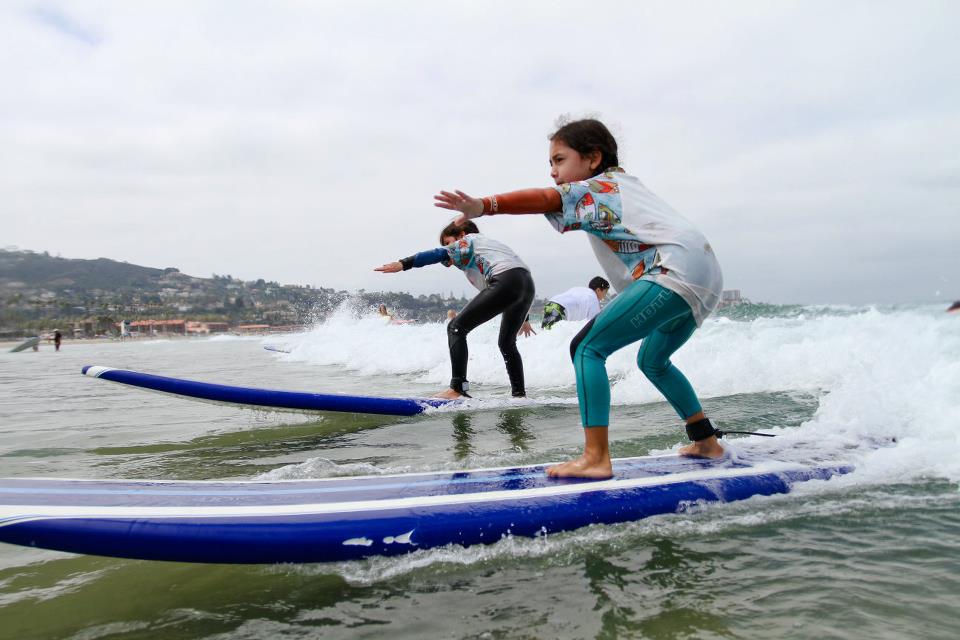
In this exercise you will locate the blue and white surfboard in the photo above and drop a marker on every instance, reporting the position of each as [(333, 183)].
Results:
[(358, 517), (272, 399)]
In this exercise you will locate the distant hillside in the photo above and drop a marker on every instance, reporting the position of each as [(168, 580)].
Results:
[(39, 291), (45, 271)]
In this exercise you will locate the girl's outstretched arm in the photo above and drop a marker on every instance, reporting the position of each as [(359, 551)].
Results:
[(516, 202), (421, 259)]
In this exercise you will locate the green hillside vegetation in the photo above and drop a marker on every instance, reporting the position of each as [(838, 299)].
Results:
[(43, 270), (39, 292)]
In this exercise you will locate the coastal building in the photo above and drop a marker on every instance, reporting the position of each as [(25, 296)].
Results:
[(206, 328), (159, 327), (253, 328), (90, 327)]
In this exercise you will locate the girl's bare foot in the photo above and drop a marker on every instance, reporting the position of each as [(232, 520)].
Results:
[(595, 461), (709, 448), (581, 468), (449, 394)]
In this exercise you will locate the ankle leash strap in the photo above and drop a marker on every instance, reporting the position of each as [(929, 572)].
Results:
[(703, 429)]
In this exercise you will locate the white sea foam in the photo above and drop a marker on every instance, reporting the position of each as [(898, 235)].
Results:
[(319, 468), (887, 383), (879, 374), (891, 376), (229, 337)]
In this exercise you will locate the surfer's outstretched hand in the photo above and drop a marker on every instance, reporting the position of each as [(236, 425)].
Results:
[(468, 207), (390, 267)]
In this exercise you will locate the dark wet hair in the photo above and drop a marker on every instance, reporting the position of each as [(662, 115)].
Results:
[(598, 283), (453, 229), (586, 136)]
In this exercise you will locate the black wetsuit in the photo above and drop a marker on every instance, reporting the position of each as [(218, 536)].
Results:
[(510, 293), (506, 287)]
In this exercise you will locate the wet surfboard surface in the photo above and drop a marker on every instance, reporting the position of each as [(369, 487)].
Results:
[(272, 399), (349, 518)]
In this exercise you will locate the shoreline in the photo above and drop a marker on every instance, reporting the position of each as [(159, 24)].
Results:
[(6, 345)]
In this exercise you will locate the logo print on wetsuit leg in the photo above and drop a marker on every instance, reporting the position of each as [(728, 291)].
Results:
[(648, 311)]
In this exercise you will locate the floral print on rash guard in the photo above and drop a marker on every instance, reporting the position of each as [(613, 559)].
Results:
[(480, 257), (637, 236), (461, 255), (595, 206)]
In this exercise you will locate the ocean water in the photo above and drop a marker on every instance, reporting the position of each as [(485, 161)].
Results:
[(874, 554)]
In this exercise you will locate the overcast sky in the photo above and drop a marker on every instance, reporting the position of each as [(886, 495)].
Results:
[(817, 144)]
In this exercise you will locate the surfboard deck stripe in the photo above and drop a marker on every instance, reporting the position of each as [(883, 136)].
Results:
[(265, 398), (331, 490), (345, 518)]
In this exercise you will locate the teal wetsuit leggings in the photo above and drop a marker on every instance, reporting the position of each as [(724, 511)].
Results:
[(644, 311)]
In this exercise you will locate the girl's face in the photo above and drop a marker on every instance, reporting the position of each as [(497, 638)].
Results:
[(567, 165)]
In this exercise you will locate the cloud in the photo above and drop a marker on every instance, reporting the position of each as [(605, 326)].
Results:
[(64, 25), (814, 143)]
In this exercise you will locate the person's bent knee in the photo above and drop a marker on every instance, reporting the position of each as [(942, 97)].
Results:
[(456, 330), (654, 371), (651, 366)]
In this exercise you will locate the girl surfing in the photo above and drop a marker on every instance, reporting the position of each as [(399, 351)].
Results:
[(506, 288), (666, 273)]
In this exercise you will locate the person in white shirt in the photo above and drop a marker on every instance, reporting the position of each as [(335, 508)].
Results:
[(577, 303)]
